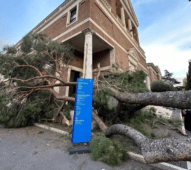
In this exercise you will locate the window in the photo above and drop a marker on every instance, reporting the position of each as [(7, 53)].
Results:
[(72, 15)]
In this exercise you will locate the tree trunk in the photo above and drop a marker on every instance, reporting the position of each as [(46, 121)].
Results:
[(155, 151), (176, 99), (127, 131), (166, 150)]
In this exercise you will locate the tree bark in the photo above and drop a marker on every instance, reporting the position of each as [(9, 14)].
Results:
[(100, 123), (126, 131), (61, 108), (166, 150), (176, 99), (155, 151)]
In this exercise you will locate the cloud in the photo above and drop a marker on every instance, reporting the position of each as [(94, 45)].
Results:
[(167, 57), (165, 41), (180, 79), (169, 27)]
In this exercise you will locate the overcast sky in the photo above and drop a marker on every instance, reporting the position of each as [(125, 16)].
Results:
[(164, 28), (165, 33)]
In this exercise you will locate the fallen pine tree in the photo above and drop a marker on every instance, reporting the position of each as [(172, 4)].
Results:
[(28, 71)]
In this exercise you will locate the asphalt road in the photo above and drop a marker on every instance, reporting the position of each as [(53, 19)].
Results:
[(25, 149)]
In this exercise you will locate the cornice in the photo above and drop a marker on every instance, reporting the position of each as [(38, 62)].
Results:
[(131, 13), (153, 67)]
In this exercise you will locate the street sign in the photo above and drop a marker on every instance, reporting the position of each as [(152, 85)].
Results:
[(81, 131)]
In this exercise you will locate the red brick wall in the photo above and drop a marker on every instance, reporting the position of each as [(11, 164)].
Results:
[(113, 7), (101, 18), (153, 75), (59, 26), (120, 38), (104, 22), (142, 60), (76, 30), (102, 57), (121, 58), (108, 26), (141, 68), (78, 59)]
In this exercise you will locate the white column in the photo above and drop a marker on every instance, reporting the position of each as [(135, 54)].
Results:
[(130, 26), (123, 16), (57, 82), (148, 84), (87, 64), (112, 57)]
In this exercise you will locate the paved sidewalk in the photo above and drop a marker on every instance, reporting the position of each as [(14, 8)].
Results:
[(25, 149), (176, 113)]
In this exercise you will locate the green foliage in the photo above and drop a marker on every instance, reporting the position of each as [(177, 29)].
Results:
[(168, 77), (10, 49), (148, 117), (38, 42), (100, 100), (27, 44), (173, 121), (128, 111), (40, 131), (45, 52), (133, 83), (107, 151), (140, 118), (33, 111), (3, 102), (161, 86)]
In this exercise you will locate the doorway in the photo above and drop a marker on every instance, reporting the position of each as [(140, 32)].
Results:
[(73, 78)]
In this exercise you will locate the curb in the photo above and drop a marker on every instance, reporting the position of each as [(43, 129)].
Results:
[(132, 155), (52, 129)]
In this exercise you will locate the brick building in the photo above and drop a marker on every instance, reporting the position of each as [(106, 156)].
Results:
[(154, 72), (102, 31)]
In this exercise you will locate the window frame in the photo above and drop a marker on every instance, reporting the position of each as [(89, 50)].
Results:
[(69, 15), (73, 19)]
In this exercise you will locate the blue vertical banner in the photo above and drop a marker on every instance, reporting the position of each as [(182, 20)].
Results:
[(81, 131)]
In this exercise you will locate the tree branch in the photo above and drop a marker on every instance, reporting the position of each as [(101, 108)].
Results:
[(176, 99), (45, 76)]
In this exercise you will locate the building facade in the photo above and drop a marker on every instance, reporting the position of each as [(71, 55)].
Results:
[(102, 31), (154, 72)]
